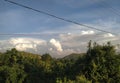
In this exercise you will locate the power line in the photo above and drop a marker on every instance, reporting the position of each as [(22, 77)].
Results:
[(60, 18), (111, 6), (112, 9)]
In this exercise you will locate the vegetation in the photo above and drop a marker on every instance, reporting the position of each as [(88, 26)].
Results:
[(101, 64)]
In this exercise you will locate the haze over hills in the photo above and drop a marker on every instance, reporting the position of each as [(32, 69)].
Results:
[(73, 56)]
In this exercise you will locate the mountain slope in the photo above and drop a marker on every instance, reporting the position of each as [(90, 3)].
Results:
[(73, 56)]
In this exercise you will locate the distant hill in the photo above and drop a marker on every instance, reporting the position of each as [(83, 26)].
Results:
[(73, 56)]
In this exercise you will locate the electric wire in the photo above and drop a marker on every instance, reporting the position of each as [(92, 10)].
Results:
[(57, 17), (111, 8)]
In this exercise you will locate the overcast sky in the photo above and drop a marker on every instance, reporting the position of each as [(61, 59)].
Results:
[(57, 37)]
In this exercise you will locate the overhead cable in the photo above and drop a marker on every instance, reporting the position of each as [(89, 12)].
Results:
[(60, 18), (111, 8)]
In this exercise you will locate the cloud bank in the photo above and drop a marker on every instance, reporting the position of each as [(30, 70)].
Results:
[(60, 46), (26, 43)]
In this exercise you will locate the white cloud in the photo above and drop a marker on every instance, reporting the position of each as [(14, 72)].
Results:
[(72, 38), (71, 43), (69, 33), (26, 43), (79, 41), (87, 32), (108, 35), (51, 49), (56, 44), (23, 47)]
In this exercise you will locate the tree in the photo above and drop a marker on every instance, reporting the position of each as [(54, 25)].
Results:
[(46, 57), (101, 64), (11, 69)]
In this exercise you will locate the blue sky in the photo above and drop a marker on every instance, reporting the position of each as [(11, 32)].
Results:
[(15, 19)]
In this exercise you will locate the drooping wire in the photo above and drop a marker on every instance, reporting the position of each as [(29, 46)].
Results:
[(60, 18), (111, 8)]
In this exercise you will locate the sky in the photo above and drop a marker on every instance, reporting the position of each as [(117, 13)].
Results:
[(54, 36)]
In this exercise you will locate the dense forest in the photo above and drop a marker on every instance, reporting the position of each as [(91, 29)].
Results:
[(100, 64)]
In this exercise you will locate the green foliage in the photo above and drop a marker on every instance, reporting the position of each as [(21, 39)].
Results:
[(46, 57), (79, 79), (13, 74), (101, 64)]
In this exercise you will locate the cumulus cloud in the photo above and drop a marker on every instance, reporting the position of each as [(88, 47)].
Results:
[(23, 44), (26, 41), (23, 47), (33, 45), (56, 44)]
